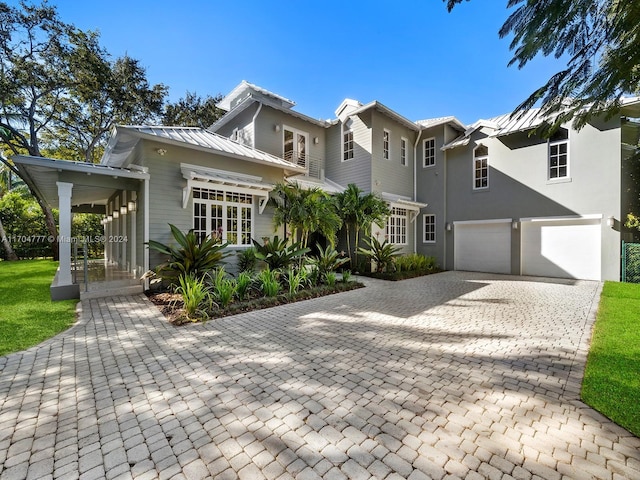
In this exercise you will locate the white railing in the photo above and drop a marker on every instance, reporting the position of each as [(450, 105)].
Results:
[(313, 164)]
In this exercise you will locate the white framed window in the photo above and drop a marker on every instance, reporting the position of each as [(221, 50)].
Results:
[(225, 213), (480, 167), (234, 134), (403, 151), (386, 144), (429, 150), (294, 145), (429, 225), (559, 155), (396, 229), (347, 145)]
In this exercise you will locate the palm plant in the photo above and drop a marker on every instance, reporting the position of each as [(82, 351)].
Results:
[(191, 257), (195, 296), (306, 211), (359, 212), (328, 260)]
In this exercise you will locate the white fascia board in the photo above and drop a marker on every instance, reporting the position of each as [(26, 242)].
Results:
[(595, 216), (81, 167), (485, 222)]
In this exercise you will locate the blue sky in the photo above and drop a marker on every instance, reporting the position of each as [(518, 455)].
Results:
[(411, 55)]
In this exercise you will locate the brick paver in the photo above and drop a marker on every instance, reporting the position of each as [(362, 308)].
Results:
[(455, 375)]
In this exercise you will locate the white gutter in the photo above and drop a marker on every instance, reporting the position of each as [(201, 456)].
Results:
[(415, 184), (253, 122)]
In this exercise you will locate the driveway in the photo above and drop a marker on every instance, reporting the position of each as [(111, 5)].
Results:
[(455, 375)]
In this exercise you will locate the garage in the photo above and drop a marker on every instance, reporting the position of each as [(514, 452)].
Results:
[(483, 246), (562, 247)]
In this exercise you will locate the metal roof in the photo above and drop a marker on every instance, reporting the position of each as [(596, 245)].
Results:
[(387, 111), (92, 184), (434, 122), (126, 136), (308, 183), (244, 88)]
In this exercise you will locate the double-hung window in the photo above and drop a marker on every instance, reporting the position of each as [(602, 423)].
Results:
[(386, 142), (429, 150), (224, 213), (403, 151), (397, 226), (429, 221), (480, 167), (347, 145), (559, 155)]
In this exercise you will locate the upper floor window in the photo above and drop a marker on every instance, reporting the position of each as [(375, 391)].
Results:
[(559, 154), (429, 220), (347, 145), (429, 148), (234, 135), (403, 151), (397, 226), (480, 167), (386, 141), (295, 145)]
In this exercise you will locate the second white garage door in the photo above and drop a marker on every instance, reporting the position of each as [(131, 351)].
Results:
[(564, 248), (483, 246)]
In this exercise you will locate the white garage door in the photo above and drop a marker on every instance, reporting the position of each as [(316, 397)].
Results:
[(562, 248), (483, 246)]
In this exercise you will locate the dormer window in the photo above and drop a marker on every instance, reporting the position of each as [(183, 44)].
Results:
[(386, 141), (347, 144)]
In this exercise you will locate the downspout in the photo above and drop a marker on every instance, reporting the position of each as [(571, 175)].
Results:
[(444, 206), (415, 187), (253, 123), (145, 234)]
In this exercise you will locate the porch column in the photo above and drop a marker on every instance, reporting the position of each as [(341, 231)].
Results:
[(64, 205)]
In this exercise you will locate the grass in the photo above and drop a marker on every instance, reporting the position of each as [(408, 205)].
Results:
[(612, 377), (27, 314)]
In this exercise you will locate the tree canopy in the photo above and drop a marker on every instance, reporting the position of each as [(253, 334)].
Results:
[(600, 38), (193, 111)]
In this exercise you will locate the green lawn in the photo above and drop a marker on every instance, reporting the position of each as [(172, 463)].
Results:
[(612, 377), (27, 314)]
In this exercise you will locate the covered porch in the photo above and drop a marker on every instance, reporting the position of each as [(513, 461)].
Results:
[(120, 195)]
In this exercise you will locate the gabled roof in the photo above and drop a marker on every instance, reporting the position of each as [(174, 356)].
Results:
[(250, 100), (386, 111), (308, 183), (434, 122), (245, 89), (125, 139)]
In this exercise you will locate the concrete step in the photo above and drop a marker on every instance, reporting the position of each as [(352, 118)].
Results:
[(111, 291)]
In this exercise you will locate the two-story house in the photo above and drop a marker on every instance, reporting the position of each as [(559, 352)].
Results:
[(493, 196)]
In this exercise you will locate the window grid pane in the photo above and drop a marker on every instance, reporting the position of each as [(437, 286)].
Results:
[(347, 145), (385, 145), (429, 228), (558, 160), (403, 151), (429, 152), (396, 229), (230, 215)]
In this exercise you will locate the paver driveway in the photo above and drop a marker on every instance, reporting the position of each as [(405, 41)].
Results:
[(455, 375)]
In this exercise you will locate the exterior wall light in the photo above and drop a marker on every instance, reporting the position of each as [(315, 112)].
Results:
[(116, 214), (514, 225), (131, 206), (123, 210), (276, 127), (448, 227), (161, 151)]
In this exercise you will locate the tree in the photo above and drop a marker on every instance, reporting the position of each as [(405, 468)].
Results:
[(60, 93), (306, 211), (193, 111), (359, 212), (5, 186), (602, 41)]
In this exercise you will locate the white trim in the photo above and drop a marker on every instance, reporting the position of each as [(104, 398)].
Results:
[(386, 137), (344, 132), (424, 152), (435, 228), (404, 143), (474, 169), (307, 145), (564, 178), (594, 216), (477, 222)]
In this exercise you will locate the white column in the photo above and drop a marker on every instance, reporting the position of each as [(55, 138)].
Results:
[(132, 237), (64, 205)]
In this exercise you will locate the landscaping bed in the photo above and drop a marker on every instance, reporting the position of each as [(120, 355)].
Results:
[(171, 304)]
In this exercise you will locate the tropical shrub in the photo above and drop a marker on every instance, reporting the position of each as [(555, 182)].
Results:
[(191, 256), (268, 282), (196, 297), (415, 262), (382, 254), (327, 260), (296, 279), (247, 260), (346, 276), (330, 278), (223, 289), (277, 254), (243, 284)]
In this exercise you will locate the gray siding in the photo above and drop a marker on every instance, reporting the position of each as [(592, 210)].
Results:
[(356, 170), (519, 185), (166, 184), (244, 123)]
